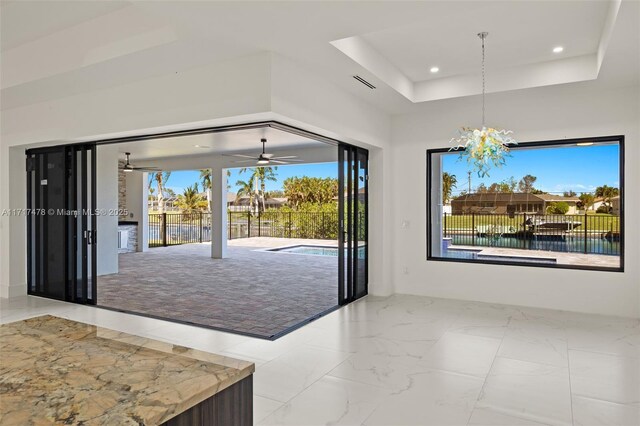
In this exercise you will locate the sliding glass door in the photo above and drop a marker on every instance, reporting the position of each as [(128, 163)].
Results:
[(61, 223), (353, 172)]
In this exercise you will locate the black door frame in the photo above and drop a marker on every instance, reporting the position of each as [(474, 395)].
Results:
[(79, 201), (352, 279)]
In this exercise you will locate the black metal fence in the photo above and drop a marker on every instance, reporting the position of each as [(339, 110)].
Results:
[(321, 226), (167, 229), (591, 234)]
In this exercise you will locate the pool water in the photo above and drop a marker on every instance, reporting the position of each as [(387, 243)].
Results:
[(475, 254), (461, 254), (316, 250), (573, 244)]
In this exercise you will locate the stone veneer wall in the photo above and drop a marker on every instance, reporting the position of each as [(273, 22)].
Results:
[(122, 189), (132, 242)]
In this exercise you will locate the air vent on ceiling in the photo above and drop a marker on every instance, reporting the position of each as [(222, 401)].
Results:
[(365, 82)]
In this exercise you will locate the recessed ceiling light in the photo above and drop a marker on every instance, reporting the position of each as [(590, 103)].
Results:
[(202, 146), (434, 69), (558, 49)]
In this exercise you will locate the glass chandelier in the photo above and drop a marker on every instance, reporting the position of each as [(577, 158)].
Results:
[(486, 147)]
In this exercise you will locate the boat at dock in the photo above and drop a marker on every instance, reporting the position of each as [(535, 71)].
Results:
[(556, 225)]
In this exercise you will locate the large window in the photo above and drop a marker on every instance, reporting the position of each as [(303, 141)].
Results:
[(552, 204)]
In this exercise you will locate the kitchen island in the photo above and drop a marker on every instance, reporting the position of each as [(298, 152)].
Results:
[(58, 371)]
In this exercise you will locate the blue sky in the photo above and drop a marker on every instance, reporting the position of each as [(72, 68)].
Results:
[(182, 179), (558, 169)]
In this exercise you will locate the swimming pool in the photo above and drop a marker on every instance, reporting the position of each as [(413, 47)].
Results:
[(315, 250), (475, 254)]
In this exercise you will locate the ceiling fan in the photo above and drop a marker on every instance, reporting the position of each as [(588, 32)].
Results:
[(128, 167), (265, 158)]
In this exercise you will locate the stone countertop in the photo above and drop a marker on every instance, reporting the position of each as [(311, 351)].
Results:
[(55, 370)]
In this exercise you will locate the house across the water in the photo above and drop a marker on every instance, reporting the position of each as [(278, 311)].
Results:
[(508, 202)]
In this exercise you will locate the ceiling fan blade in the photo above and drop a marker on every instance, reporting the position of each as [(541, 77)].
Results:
[(145, 169), (290, 160), (266, 155), (279, 162), (286, 157), (245, 161), (242, 156)]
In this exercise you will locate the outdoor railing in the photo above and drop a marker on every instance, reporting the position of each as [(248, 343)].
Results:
[(590, 234), (321, 226), (167, 229)]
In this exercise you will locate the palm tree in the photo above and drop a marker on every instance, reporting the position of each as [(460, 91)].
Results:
[(262, 175), (449, 182), (191, 200), (246, 188), (161, 179), (205, 178), (607, 193)]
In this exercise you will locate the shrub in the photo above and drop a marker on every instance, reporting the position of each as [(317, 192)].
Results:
[(559, 207)]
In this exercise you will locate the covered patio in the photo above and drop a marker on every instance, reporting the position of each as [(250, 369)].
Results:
[(253, 291)]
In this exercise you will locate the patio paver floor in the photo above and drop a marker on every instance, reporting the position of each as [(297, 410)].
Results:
[(253, 292)]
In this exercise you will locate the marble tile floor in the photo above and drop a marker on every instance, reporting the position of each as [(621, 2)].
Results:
[(406, 360), (253, 291)]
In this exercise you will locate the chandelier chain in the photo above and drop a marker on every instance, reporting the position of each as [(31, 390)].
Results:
[(483, 36)]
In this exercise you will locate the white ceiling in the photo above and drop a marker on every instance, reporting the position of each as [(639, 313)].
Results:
[(54, 49), (246, 141), (520, 33), (23, 23)]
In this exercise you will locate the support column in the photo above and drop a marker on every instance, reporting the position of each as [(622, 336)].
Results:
[(218, 211), (137, 203)]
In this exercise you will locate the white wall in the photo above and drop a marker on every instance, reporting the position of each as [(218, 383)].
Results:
[(107, 200), (217, 90), (237, 91), (305, 100), (558, 112)]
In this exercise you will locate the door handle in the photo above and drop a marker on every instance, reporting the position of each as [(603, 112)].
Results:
[(90, 236)]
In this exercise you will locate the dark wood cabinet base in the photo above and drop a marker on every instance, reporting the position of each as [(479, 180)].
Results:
[(230, 407)]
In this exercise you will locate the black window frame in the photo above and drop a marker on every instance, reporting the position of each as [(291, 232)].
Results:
[(620, 139)]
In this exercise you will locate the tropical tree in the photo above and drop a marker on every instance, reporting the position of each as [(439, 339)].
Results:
[(161, 178), (559, 207), (260, 176), (276, 193), (606, 193), (507, 185), (245, 188), (191, 200), (307, 189), (526, 183), (569, 194), (205, 179), (587, 200), (482, 188), (449, 182)]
